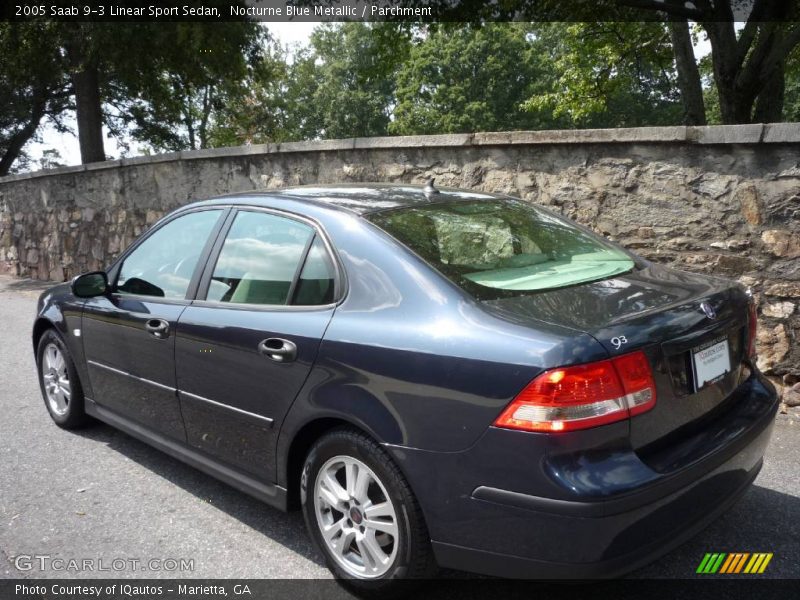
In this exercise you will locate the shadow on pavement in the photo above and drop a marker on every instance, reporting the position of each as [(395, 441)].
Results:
[(286, 529)]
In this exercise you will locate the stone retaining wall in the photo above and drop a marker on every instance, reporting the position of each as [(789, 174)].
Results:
[(722, 200)]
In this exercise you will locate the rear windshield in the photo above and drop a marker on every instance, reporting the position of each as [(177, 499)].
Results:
[(500, 248)]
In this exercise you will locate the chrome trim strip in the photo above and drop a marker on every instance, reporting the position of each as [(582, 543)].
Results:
[(142, 379), (226, 406)]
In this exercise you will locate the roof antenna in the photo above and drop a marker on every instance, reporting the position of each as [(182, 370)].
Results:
[(429, 188)]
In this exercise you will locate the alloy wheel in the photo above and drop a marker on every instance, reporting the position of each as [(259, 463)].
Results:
[(56, 379), (356, 517)]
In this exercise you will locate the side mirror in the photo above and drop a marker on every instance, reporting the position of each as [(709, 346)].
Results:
[(90, 285)]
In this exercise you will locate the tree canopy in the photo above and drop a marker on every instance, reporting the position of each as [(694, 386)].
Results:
[(175, 86)]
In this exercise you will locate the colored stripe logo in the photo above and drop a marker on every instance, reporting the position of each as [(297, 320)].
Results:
[(734, 563)]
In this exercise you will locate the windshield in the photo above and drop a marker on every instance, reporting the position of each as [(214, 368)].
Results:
[(500, 248)]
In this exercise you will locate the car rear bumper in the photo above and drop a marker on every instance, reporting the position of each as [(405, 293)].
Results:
[(498, 510)]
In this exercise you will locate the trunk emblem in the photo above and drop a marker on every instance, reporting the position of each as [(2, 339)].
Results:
[(708, 310)]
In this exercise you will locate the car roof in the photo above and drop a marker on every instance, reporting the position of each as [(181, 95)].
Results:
[(359, 198)]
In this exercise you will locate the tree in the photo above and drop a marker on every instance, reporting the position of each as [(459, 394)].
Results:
[(749, 69), (33, 87), (344, 85), (609, 74), (186, 80), (161, 81), (471, 79)]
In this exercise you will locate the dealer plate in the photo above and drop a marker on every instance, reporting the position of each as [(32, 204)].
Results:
[(710, 363)]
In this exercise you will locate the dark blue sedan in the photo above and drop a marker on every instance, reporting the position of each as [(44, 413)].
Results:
[(436, 378)]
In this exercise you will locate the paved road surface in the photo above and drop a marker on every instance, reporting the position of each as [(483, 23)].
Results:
[(101, 494)]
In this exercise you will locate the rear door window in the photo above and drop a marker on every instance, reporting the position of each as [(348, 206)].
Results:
[(500, 248), (267, 259)]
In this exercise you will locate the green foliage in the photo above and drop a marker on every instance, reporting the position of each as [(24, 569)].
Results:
[(349, 87), (609, 74), (33, 86), (471, 79), (185, 80), (791, 103)]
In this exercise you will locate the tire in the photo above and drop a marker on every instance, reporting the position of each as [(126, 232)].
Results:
[(59, 382), (363, 524)]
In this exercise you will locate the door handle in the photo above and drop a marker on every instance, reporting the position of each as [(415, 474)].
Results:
[(278, 349), (158, 328)]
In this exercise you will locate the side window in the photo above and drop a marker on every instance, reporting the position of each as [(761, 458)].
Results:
[(259, 259), (163, 264), (315, 285)]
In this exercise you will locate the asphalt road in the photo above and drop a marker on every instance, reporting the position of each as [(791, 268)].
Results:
[(100, 494)]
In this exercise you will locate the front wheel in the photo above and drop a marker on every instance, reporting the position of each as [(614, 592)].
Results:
[(361, 513), (58, 379)]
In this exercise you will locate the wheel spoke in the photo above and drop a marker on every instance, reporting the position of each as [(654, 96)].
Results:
[(361, 486), (375, 511), (369, 561), (58, 363), (332, 492), (369, 546), (384, 526), (329, 532), (344, 543)]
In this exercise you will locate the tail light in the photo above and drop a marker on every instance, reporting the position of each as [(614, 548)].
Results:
[(583, 396), (752, 327)]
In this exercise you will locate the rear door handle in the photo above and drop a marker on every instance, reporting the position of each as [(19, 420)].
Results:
[(158, 328), (278, 349)]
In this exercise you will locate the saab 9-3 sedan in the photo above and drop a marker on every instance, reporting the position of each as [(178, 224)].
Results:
[(436, 378)]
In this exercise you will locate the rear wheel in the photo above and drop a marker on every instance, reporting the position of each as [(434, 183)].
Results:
[(361, 513), (61, 388)]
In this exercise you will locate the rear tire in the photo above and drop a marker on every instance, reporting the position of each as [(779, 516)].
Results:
[(59, 383), (375, 533)]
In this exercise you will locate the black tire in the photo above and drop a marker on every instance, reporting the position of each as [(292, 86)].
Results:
[(74, 415), (413, 559)]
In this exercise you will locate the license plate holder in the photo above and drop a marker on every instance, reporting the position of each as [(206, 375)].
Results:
[(710, 363)]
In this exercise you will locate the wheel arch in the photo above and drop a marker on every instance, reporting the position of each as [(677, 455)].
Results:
[(41, 325), (299, 446)]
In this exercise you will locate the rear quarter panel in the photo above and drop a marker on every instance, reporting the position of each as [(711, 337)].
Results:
[(411, 359)]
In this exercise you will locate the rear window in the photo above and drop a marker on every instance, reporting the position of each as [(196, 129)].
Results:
[(501, 248)]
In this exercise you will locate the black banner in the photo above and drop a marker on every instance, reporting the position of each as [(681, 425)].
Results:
[(447, 588), (397, 10)]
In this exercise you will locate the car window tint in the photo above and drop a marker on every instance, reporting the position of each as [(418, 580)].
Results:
[(259, 259), (501, 248), (315, 285), (163, 264)]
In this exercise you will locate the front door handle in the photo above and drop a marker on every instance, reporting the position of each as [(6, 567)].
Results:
[(158, 328), (278, 349)]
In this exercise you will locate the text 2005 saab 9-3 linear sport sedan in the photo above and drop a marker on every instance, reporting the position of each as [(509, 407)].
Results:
[(435, 377)]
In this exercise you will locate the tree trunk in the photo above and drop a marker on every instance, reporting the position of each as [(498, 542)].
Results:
[(89, 114), (88, 103), (19, 139), (694, 110), (769, 104), (723, 55)]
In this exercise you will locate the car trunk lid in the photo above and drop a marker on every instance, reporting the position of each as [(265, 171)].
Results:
[(657, 310)]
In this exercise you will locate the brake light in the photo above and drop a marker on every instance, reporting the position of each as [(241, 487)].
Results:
[(583, 396), (752, 327)]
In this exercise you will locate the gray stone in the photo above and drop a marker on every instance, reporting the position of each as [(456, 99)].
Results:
[(778, 310), (782, 243), (791, 396), (772, 346)]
